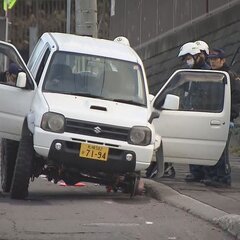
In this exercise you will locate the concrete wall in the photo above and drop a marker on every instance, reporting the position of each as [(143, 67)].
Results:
[(220, 29)]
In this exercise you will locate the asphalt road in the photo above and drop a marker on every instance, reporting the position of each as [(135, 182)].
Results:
[(89, 212)]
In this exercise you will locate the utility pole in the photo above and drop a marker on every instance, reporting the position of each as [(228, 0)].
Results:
[(68, 24), (7, 22), (86, 17)]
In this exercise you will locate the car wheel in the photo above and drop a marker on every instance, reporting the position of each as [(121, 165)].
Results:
[(23, 166), (134, 186), (9, 150)]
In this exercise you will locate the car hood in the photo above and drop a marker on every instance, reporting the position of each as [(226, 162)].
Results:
[(97, 110)]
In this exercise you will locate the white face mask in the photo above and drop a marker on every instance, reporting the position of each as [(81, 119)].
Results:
[(190, 62)]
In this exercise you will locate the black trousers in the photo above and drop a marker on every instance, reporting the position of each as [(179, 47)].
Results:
[(220, 171), (197, 171)]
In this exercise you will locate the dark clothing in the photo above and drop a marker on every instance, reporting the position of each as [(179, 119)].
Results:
[(235, 92), (221, 172), (198, 171), (202, 65), (3, 77)]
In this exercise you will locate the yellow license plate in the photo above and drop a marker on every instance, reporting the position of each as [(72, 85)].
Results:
[(94, 152)]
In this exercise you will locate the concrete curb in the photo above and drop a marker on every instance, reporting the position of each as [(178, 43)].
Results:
[(161, 192)]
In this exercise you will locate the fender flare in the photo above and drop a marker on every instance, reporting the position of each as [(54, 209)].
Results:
[(30, 118)]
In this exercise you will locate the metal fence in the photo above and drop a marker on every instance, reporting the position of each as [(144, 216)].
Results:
[(29, 19), (42, 15)]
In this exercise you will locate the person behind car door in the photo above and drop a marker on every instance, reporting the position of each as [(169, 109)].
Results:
[(194, 58), (204, 48), (220, 174), (10, 76)]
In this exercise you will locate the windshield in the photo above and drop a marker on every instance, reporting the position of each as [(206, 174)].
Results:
[(94, 76)]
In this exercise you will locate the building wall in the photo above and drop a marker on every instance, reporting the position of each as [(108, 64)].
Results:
[(219, 28)]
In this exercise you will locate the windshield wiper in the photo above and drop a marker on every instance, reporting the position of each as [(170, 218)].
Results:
[(128, 101), (82, 94)]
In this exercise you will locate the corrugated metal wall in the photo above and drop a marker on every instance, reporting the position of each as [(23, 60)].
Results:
[(143, 20)]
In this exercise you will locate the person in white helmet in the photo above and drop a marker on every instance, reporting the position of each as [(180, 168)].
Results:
[(191, 55), (204, 48)]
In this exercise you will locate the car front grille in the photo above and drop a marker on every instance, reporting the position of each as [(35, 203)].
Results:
[(96, 130)]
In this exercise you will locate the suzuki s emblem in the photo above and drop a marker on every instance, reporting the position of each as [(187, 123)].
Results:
[(97, 130)]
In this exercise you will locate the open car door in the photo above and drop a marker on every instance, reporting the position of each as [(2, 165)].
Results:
[(194, 108), (15, 101)]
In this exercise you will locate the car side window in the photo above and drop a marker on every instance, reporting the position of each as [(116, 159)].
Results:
[(196, 92), (35, 54), (200, 96), (41, 66)]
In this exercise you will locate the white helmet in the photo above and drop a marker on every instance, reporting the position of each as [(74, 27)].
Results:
[(122, 40), (203, 46), (189, 48)]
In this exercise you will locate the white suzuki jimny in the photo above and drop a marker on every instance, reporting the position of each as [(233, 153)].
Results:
[(81, 111)]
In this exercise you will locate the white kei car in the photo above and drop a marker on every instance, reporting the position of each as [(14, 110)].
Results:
[(81, 111)]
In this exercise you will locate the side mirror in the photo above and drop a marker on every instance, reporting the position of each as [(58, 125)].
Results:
[(21, 80), (154, 115), (171, 102)]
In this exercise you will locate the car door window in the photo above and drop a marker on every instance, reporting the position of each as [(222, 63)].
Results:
[(42, 65), (35, 54), (196, 92), (11, 64)]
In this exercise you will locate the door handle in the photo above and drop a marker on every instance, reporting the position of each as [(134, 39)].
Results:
[(215, 123)]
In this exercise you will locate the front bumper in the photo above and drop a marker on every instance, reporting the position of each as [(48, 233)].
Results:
[(44, 145), (68, 156)]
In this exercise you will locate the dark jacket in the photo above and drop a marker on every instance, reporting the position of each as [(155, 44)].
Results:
[(202, 65), (3, 77), (235, 91)]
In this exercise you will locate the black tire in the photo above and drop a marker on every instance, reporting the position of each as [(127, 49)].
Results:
[(23, 166), (134, 186), (9, 150), (158, 170)]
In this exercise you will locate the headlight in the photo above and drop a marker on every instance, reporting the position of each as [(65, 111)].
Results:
[(53, 122), (140, 136)]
